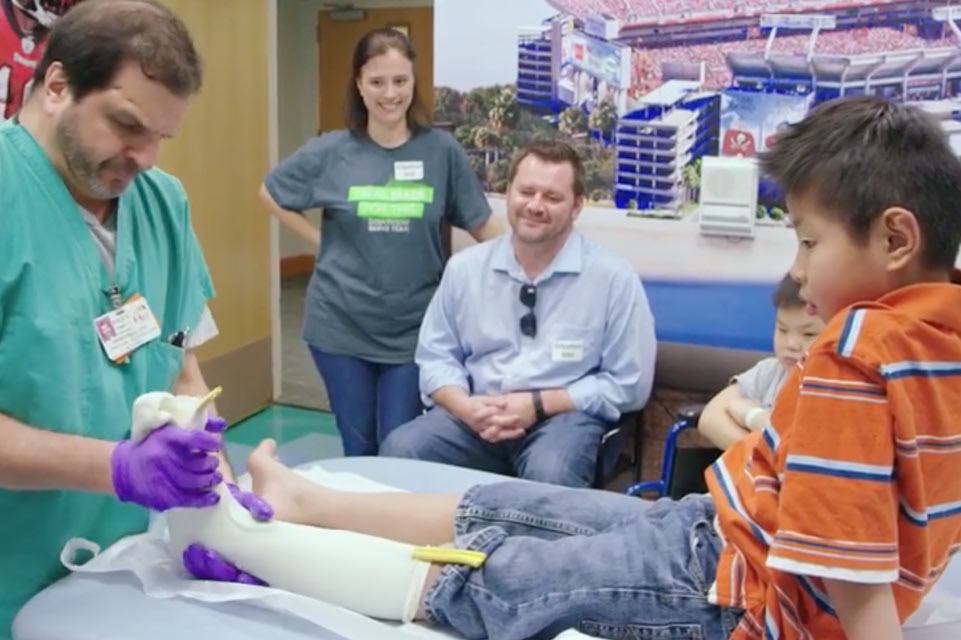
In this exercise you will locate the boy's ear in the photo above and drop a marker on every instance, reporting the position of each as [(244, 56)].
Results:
[(900, 234)]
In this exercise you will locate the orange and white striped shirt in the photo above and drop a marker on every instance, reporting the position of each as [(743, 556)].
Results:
[(855, 477)]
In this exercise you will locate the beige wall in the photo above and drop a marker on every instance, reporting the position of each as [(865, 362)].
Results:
[(296, 91), (220, 155)]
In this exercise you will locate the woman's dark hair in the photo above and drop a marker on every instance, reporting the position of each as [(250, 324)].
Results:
[(375, 43)]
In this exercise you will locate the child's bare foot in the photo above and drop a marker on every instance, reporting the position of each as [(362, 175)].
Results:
[(293, 497)]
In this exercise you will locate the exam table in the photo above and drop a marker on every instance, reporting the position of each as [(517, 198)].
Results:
[(108, 606)]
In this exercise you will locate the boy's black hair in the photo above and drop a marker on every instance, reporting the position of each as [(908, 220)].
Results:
[(787, 295), (859, 156)]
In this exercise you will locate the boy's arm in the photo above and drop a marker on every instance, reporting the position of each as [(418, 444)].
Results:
[(866, 611), (748, 414), (716, 424)]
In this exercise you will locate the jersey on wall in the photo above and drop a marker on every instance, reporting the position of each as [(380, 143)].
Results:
[(24, 25)]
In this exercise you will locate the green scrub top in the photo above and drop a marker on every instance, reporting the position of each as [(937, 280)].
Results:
[(54, 374)]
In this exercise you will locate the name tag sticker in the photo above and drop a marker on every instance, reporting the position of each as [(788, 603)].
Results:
[(567, 351), (409, 170), (126, 329)]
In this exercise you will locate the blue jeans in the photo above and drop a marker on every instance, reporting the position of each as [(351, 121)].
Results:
[(604, 563), (369, 399), (559, 450)]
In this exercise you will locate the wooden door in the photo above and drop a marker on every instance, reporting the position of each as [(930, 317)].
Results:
[(336, 40)]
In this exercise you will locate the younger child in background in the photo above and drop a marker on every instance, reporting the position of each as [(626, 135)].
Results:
[(745, 405)]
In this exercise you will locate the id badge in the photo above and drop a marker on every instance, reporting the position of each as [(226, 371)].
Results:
[(567, 351), (127, 328), (409, 170)]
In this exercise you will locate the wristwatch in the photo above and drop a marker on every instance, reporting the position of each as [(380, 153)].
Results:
[(538, 405)]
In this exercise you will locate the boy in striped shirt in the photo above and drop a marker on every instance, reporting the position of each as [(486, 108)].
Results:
[(842, 514), (830, 523)]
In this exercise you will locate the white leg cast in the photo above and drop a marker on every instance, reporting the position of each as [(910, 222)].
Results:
[(370, 575), (374, 576)]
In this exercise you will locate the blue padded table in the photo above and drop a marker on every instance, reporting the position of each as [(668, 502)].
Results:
[(733, 315)]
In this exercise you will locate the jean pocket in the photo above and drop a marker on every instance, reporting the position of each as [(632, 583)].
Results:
[(676, 631), (705, 549)]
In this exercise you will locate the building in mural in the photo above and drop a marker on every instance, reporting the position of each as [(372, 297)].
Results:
[(696, 77)]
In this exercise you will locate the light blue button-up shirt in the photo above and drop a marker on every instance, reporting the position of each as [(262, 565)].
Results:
[(595, 331)]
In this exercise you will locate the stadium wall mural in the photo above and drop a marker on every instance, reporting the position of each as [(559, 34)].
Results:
[(645, 88)]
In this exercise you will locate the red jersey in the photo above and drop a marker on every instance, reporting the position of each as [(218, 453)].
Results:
[(19, 56)]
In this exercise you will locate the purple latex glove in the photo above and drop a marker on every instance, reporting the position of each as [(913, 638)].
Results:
[(254, 504), (171, 467), (206, 564)]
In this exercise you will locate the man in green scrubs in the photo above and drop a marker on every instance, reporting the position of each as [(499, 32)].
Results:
[(116, 79)]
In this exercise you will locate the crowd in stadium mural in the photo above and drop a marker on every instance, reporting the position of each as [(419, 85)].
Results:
[(646, 88)]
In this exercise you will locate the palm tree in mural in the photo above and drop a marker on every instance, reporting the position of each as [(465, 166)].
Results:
[(503, 112), (488, 140), (448, 106), (572, 121), (465, 135), (691, 178), (603, 118)]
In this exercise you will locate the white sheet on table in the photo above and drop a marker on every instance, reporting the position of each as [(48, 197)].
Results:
[(147, 556), (162, 576)]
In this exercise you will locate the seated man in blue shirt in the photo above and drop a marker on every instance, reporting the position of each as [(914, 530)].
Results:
[(535, 342)]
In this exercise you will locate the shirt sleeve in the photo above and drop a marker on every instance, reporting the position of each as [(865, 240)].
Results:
[(756, 381), (626, 372), (838, 502), (440, 355), (291, 182), (467, 205), (204, 330)]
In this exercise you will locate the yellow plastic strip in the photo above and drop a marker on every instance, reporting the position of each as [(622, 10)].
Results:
[(473, 559), (207, 399), (216, 391)]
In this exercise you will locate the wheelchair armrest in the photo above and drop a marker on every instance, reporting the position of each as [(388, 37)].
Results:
[(686, 418), (690, 413)]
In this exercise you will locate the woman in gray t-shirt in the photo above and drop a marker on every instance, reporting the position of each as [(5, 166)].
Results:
[(385, 184)]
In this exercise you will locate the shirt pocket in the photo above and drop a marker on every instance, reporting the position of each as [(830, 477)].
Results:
[(575, 345)]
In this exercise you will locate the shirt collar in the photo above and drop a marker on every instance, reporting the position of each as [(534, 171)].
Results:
[(935, 302), (570, 259)]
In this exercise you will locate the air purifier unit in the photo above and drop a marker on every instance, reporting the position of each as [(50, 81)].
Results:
[(728, 199)]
